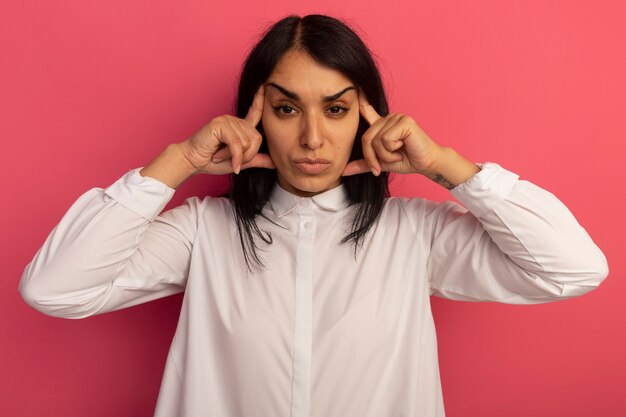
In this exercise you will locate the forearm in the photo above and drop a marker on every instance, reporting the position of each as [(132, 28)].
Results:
[(451, 169), (170, 167), (517, 244), (109, 241)]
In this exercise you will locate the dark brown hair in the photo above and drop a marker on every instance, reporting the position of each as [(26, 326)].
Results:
[(335, 45)]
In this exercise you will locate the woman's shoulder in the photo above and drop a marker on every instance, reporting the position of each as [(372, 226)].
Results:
[(213, 202), (418, 209), (412, 203), (210, 206)]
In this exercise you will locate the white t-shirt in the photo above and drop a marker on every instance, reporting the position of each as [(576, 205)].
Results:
[(318, 332)]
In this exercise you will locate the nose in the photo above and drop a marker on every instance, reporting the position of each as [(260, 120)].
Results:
[(311, 136)]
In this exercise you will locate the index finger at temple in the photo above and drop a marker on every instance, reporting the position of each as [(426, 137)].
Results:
[(366, 109), (256, 108)]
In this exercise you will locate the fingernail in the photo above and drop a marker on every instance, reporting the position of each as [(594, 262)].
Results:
[(237, 169), (375, 172), (216, 160)]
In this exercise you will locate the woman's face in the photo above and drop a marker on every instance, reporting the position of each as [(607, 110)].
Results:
[(310, 119)]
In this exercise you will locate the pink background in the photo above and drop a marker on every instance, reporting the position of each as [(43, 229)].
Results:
[(90, 90)]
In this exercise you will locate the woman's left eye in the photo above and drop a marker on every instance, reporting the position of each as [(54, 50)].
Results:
[(337, 110)]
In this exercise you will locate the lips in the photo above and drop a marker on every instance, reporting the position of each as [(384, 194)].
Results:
[(312, 165)]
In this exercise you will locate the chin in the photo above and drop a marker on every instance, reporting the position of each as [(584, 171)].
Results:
[(312, 185)]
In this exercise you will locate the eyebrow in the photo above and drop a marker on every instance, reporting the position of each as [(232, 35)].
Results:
[(294, 96)]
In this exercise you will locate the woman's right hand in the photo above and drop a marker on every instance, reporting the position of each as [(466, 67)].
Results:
[(227, 144)]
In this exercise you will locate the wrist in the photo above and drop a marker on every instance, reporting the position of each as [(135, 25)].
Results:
[(170, 167), (450, 169), (183, 150), (438, 156)]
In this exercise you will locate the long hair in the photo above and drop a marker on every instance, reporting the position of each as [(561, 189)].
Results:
[(333, 44)]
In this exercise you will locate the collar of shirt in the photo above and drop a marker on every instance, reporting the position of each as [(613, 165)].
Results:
[(283, 202)]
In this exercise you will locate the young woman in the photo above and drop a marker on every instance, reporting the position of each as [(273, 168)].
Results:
[(307, 289)]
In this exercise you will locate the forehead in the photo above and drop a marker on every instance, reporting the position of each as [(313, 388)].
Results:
[(299, 72)]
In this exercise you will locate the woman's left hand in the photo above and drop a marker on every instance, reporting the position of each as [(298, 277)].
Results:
[(393, 143)]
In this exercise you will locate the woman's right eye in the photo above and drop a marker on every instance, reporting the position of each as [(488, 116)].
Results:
[(287, 110)]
